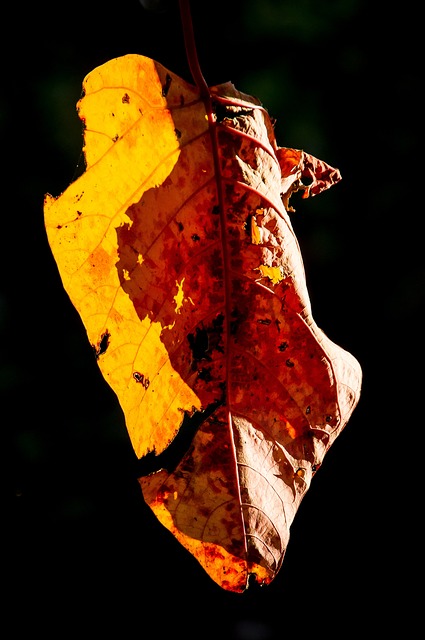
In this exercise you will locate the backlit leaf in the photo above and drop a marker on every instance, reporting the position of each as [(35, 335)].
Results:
[(176, 248)]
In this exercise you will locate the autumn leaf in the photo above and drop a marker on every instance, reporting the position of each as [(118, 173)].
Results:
[(177, 250)]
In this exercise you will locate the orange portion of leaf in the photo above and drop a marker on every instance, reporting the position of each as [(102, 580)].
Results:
[(177, 250), (200, 504)]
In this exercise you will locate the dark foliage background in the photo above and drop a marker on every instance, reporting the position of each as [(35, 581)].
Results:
[(81, 551)]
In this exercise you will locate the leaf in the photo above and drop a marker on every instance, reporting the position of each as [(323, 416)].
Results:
[(176, 248)]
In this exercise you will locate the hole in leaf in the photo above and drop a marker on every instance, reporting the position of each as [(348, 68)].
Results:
[(102, 345)]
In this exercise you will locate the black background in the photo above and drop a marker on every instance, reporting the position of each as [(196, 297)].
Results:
[(82, 552)]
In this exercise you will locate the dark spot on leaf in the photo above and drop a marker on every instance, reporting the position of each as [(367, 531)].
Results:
[(221, 111), (139, 377), (265, 321), (115, 138), (198, 343), (195, 237), (205, 374), (308, 410), (216, 333), (216, 209), (205, 340), (178, 134), (126, 98), (289, 363), (180, 225), (166, 85), (224, 112), (102, 345), (235, 321), (283, 346)]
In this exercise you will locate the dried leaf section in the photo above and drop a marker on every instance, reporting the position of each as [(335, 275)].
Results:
[(177, 250)]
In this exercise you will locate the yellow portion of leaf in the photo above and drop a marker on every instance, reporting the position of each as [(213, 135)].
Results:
[(131, 147), (273, 273), (179, 297)]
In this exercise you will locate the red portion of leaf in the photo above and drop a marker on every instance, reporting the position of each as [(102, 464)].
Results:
[(287, 390)]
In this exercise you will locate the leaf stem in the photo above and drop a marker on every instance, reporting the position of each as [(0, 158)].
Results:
[(190, 45)]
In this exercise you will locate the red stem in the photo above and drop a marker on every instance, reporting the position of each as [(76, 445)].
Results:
[(191, 52)]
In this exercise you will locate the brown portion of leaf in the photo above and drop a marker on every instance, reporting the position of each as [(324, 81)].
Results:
[(200, 503), (177, 249)]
